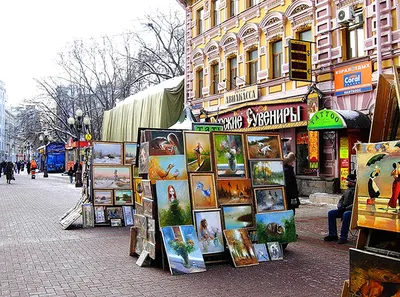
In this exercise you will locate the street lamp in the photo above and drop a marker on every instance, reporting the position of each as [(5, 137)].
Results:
[(77, 123), (45, 138)]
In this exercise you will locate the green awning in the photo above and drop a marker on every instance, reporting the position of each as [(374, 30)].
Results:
[(329, 119)]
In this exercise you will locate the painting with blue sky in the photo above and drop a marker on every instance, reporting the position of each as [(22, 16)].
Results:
[(107, 153)]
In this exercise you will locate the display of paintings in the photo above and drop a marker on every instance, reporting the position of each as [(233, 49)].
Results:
[(147, 207), (143, 158), (99, 214), (183, 250), (112, 177), (198, 151), (267, 173), (151, 224), (165, 142), (128, 215), (87, 215), (269, 199), (260, 249), (114, 213), (264, 146), (107, 153), (103, 197), (209, 231), (151, 236), (240, 247), (237, 216), (116, 222), (140, 223), (202, 187), (139, 245), (276, 226), (275, 251), (139, 208), (138, 189), (378, 185), (123, 197), (167, 168), (229, 154), (147, 191), (151, 248), (234, 191), (371, 271), (173, 203), (130, 151)]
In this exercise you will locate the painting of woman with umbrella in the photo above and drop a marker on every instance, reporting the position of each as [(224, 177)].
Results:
[(373, 189)]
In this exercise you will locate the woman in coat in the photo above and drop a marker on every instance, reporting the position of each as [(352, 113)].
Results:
[(9, 172), (292, 192)]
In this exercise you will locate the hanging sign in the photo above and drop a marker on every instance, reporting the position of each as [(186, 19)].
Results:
[(326, 119), (241, 95), (313, 146), (88, 137), (344, 148), (344, 172), (354, 78)]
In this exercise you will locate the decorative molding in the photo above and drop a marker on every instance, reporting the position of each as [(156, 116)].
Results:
[(263, 74), (273, 25), (263, 50), (249, 33), (229, 43), (212, 50), (270, 4), (300, 14), (240, 58), (197, 57)]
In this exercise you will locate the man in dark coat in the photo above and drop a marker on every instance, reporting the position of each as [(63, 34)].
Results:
[(28, 167), (292, 192), (9, 172)]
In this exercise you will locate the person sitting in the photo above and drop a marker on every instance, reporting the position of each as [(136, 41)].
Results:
[(343, 211)]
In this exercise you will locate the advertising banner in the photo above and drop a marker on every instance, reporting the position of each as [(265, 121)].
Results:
[(355, 78)]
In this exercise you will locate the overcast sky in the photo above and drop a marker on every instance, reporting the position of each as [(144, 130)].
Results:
[(32, 32)]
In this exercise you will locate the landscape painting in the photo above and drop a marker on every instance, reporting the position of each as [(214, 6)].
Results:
[(112, 177), (234, 191), (229, 155), (130, 151), (276, 226), (103, 197), (165, 142), (167, 168), (269, 199), (123, 197), (240, 247), (143, 158), (264, 146), (202, 187), (173, 203), (237, 216), (267, 173), (198, 151), (209, 231), (260, 249), (107, 153), (183, 250)]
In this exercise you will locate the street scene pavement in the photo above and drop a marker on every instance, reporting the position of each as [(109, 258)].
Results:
[(39, 258)]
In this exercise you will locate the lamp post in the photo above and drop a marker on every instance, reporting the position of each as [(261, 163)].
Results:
[(77, 123), (45, 138)]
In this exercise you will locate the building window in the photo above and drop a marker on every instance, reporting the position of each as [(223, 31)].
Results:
[(232, 64), (276, 59), (216, 19), (233, 7), (200, 21), (252, 66), (199, 83), (355, 37), (215, 78), (251, 3), (306, 35)]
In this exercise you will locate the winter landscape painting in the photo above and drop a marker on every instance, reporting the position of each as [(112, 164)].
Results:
[(130, 151), (112, 177), (107, 153), (103, 197), (269, 198)]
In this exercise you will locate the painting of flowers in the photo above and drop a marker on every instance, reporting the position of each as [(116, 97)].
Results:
[(198, 151), (269, 199), (103, 197), (130, 151), (123, 197), (112, 177), (173, 203), (202, 187), (167, 168), (276, 226), (234, 191), (183, 250), (237, 216), (240, 247), (165, 142), (209, 231), (267, 173), (229, 154), (264, 146), (107, 153)]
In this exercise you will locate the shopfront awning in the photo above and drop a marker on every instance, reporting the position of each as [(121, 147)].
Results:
[(329, 119)]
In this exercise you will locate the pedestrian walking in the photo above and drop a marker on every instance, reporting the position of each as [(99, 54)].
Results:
[(71, 174), (18, 166), (28, 167), (292, 192), (9, 172)]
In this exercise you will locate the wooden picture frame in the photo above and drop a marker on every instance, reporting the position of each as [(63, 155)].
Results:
[(99, 214), (148, 207), (237, 216), (139, 208), (107, 153), (116, 222), (130, 152), (147, 188), (87, 215), (203, 194), (165, 142), (208, 226), (198, 151), (112, 177), (123, 197), (138, 189), (263, 146), (234, 191), (269, 199), (114, 213), (103, 197), (267, 173), (128, 215)]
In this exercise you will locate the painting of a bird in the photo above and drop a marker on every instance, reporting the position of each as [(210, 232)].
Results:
[(205, 193)]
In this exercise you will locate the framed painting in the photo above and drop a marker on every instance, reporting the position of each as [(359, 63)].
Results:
[(234, 191), (198, 151), (165, 142), (116, 222), (128, 215), (269, 199), (112, 177), (148, 207), (267, 173), (240, 247), (202, 187), (183, 250), (260, 249), (151, 224), (173, 203), (130, 151), (138, 189), (167, 168), (147, 190), (276, 226), (140, 223), (123, 197), (139, 208), (143, 158), (263, 146), (209, 231), (237, 216), (275, 251), (103, 197), (151, 248), (99, 214), (229, 155), (87, 215), (114, 213), (107, 153)]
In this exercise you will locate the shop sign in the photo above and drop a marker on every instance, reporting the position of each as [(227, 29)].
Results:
[(241, 95), (302, 138), (313, 147), (266, 116), (344, 148), (326, 119), (312, 104), (344, 163), (344, 172), (207, 127), (355, 78)]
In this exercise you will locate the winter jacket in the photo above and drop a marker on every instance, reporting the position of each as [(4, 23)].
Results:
[(346, 201), (292, 192)]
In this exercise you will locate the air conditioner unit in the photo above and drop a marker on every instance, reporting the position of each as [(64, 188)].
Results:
[(345, 15)]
